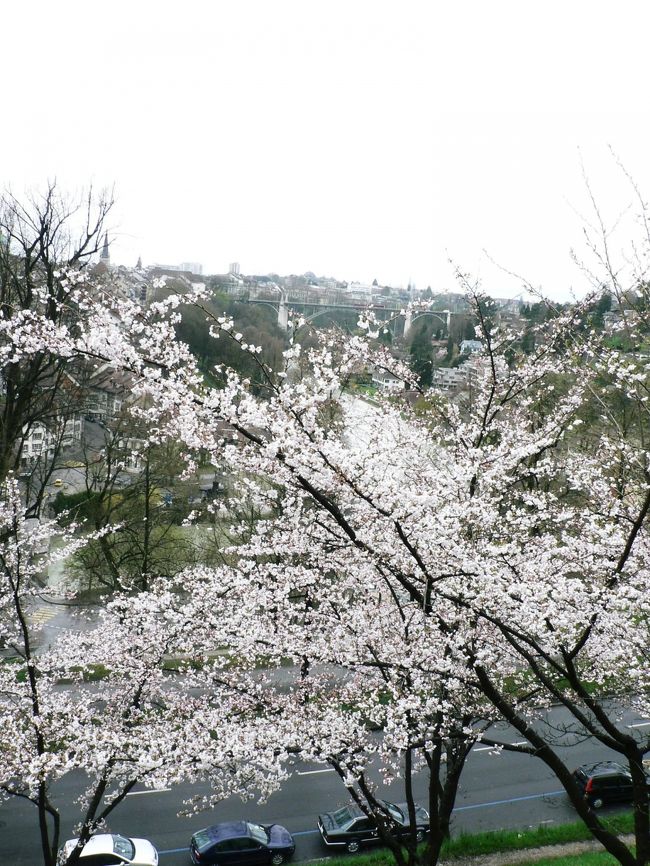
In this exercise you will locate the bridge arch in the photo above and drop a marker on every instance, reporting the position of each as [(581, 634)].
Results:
[(409, 318)]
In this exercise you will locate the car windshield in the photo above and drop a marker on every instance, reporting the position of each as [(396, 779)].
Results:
[(342, 817), (202, 840), (258, 833), (395, 812), (124, 847)]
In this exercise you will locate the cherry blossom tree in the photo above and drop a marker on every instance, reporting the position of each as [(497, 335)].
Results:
[(513, 564), (106, 700), (141, 697)]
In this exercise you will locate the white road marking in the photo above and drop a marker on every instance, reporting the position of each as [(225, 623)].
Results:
[(639, 725), (150, 791), (493, 748), (312, 772), (41, 615)]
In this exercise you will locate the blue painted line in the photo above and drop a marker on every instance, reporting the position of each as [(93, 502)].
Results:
[(511, 800)]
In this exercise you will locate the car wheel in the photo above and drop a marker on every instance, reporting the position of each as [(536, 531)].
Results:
[(419, 835), (277, 859), (597, 803), (353, 846)]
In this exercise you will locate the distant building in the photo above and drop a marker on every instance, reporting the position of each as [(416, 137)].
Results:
[(234, 268), (467, 347), (360, 292), (231, 284), (192, 267), (126, 282), (106, 391), (386, 381), (508, 305), (42, 440), (617, 319), (185, 278), (184, 268), (448, 378)]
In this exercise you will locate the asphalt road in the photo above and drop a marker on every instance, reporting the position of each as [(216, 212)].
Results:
[(504, 791)]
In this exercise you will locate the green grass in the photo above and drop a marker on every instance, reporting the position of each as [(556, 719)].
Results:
[(380, 857), (89, 673), (469, 845), (363, 388), (92, 673), (21, 673), (97, 672), (179, 665)]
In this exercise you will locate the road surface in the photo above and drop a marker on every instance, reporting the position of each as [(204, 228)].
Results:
[(504, 791)]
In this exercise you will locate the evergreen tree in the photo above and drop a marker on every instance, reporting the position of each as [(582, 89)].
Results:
[(422, 355)]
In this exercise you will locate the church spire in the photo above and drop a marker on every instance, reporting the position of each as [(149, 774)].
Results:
[(105, 255)]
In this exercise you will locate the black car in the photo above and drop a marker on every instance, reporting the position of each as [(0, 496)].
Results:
[(604, 782), (351, 829), (242, 842)]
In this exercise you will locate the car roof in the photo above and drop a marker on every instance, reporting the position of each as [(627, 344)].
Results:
[(356, 811), (227, 830), (603, 768), (100, 844), (352, 808)]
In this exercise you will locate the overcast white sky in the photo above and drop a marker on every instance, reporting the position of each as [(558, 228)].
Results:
[(356, 139)]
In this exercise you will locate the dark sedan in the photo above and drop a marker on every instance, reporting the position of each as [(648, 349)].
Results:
[(351, 829), (242, 843)]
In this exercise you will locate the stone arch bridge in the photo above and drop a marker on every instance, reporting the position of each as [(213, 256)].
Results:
[(312, 310)]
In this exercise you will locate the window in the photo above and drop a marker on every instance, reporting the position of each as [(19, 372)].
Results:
[(609, 782), (258, 832), (341, 817), (101, 860), (123, 847), (245, 843), (221, 847), (362, 824)]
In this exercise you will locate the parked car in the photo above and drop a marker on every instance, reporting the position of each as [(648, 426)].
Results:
[(603, 783), (242, 842), (351, 829), (110, 849)]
